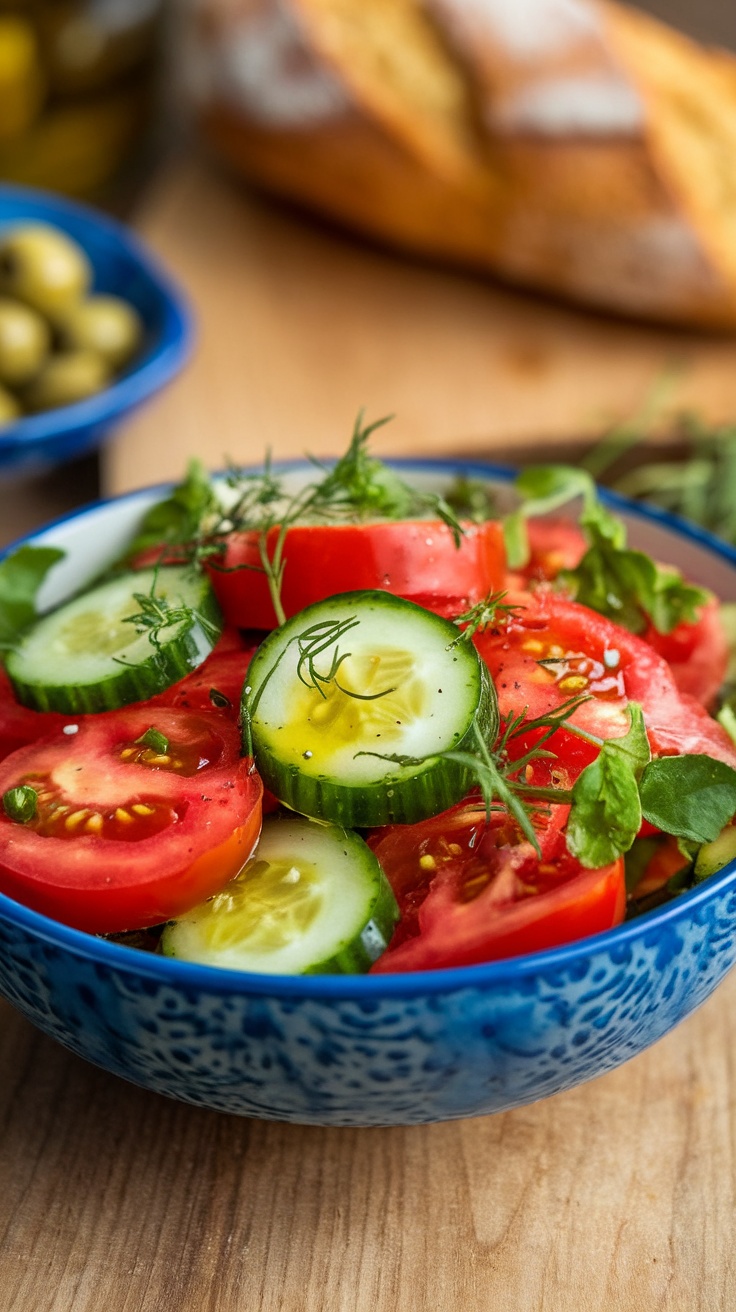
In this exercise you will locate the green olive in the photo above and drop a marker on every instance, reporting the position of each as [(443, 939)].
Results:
[(40, 265), (9, 407), (105, 324), (67, 377), (24, 342)]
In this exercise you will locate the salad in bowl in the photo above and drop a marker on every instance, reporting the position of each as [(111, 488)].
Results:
[(359, 793)]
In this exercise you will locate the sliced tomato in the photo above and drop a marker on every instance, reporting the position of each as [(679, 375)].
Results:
[(416, 559), (468, 894), (696, 653), (124, 835), (553, 649), (19, 725), (554, 545)]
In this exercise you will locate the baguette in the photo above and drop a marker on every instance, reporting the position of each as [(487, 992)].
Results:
[(575, 146)]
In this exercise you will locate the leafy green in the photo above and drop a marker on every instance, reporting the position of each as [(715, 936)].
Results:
[(178, 519), (693, 797), (153, 738), (21, 803), (700, 484), (471, 499), (605, 815), (625, 585), (21, 576), (637, 859)]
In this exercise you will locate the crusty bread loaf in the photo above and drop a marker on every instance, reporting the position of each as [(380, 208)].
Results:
[(571, 145)]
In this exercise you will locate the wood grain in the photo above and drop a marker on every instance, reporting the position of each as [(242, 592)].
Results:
[(299, 326), (615, 1197)]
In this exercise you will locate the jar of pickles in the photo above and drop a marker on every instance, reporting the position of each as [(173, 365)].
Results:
[(76, 89)]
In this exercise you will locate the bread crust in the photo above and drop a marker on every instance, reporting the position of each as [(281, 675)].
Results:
[(566, 154)]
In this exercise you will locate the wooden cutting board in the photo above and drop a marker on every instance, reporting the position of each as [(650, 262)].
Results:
[(619, 1196)]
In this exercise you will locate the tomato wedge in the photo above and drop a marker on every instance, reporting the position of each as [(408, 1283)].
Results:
[(221, 673), (696, 653), (19, 725), (554, 649), (554, 545), (126, 834), (468, 894), (416, 559)]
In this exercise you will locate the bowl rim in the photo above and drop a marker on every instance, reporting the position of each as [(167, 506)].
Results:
[(171, 348), (372, 989)]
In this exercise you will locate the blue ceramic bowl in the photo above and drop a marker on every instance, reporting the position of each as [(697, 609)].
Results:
[(379, 1050), (124, 267)]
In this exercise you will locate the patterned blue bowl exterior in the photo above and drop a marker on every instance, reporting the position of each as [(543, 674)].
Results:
[(375, 1050), (122, 266), (450, 1044)]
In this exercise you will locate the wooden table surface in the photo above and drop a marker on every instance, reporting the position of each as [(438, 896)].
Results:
[(615, 1197)]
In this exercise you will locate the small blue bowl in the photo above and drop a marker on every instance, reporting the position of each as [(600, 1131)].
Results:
[(372, 1050), (122, 266)]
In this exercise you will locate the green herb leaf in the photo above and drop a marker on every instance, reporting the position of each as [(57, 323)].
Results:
[(471, 499), (623, 584), (20, 804), (178, 519), (605, 815), (153, 738), (486, 613), (626, 585), (21, 576), (606, 812), (637, 859), (693, 797)]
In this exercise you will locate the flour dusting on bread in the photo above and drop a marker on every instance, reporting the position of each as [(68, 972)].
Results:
[(255, 58)]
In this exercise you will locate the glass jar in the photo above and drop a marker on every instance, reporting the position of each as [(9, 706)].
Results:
[(76, 89)]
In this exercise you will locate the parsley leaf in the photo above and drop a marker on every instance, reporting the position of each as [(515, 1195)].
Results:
[(606, 813), (625, 585), (21, 576), (177, 520), (691, 796)]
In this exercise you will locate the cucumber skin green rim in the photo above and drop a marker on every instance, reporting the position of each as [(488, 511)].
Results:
[(436, 784), (358, 956), (165, 666), (433, 786), (359, 953)]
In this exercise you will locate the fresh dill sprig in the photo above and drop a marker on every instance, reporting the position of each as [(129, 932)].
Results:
[(318, 639), (496, 773), (358, 487), (157, 614), (490, 612)]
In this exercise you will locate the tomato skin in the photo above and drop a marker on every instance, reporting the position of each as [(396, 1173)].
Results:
[(696, 653), (416, 559), (448, 923), (554, 545), (105, 884), (19, 725), (675, 722)]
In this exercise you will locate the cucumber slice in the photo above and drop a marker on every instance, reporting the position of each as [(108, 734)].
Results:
[(352, 681), (312, 900), (88, 656), (713, 856)]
